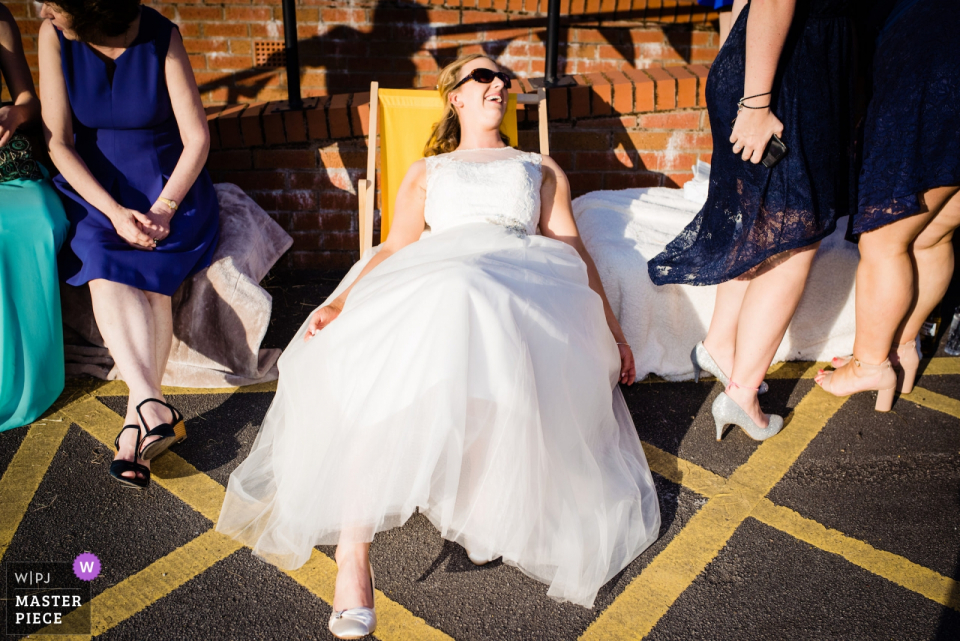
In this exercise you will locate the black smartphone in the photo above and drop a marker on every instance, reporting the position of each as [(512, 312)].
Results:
[(775, 151)]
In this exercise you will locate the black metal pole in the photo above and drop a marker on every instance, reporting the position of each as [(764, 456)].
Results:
[(553, 33), (294, 101)]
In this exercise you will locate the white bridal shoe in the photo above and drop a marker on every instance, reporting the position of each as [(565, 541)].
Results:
[(702, 361), (354, 623)]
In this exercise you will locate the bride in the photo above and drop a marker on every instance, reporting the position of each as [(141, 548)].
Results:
[(471, 375)]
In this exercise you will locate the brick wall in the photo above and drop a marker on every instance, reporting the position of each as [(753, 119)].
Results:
[(344, 45), (611, 130)]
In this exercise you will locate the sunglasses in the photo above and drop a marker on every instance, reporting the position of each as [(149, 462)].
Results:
[(484, 76)]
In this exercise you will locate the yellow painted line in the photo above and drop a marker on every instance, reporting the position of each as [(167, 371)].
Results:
[(394, 622), (934, 401), (892, 567), (941, 366), (25, 472), (648, 597), (683, 472), (137, 592), (637, 609), (771, 460), (119, 388), (203, 494)]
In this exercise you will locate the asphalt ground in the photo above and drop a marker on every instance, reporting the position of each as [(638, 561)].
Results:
[(844, 526)]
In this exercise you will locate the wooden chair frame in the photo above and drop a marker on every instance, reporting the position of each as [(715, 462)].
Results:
[(367, 189)]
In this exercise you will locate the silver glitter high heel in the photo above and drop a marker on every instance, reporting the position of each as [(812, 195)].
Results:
[(702, 361), (727, 412), (354, 623)]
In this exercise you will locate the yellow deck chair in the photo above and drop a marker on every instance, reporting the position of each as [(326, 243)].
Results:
[(406, 118)]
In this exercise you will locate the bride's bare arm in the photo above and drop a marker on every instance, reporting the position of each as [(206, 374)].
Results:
[(556, 221), (406, 228)]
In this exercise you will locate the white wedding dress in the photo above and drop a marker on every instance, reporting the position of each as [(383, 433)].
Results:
[(471, 376)]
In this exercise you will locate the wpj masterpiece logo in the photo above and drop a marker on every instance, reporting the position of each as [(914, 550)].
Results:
[(52, 597)]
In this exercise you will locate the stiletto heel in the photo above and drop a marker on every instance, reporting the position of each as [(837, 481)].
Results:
[(355, 623), (703, 362), (169, 433), (906, 361), (118, 467), (727, 412)]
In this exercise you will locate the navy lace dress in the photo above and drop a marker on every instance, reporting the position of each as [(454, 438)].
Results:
[(912, 131), (753, 213)]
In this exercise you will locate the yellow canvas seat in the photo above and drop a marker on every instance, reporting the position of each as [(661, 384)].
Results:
[(404, 119)]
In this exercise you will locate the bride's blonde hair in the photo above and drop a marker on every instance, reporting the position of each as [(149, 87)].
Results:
[(445, 136)]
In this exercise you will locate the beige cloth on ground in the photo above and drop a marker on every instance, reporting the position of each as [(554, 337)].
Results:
[(220, 315)]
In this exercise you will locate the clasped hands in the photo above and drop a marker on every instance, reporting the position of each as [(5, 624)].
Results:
[(142, 230)]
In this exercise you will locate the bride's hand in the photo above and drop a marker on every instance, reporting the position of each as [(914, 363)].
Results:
[(628, 369), (752, 131), (321, 318)]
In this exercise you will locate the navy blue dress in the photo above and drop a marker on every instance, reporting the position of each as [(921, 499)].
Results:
[(126, 133), (753, 213), (912, 130)]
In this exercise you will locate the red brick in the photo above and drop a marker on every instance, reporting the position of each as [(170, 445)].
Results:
[(226, 61), (579, 141), (228, 126), (339, 116), (360, 113), (630, 180), (557, 103), (225, 29), (204, 45), (255, 180), (205, 14), (622, 91), (581, 182), (603, 161), (666, 88), (243, 14), (646, 140), (686, 120), (250, 124), (273, 124), (700, 72), (284, 159), (686, 86), (602, 94), (580, 98), (317, 119), (230, 160), (644, 87), (295, 122)]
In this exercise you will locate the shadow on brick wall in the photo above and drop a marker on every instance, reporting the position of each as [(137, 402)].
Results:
[(401, 43)]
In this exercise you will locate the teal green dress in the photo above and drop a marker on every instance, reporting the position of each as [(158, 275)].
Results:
[(33, 226)]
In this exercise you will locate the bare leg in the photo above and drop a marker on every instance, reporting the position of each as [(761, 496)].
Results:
[(163, 324), (934, 260), (890, 305), (768, 306), (127, 323), (721, 340), (353, 576)]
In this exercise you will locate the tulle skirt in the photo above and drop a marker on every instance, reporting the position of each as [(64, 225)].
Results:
[(471, 376)]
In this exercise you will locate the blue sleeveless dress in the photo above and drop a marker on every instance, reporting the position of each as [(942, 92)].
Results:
[(753, 213), (911, 135), (126, 133)]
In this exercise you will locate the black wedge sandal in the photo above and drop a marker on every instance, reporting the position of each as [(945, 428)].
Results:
[(169, 433), (118, 467)]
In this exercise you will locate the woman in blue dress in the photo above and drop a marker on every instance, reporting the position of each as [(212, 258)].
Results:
[(790, 65), (32, 229), (128, 132), (909, 205)]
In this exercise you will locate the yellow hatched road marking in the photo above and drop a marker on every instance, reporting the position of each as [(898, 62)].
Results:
[(637, 609), (892, 567), (934, 401), (25, 472), (203, 494)]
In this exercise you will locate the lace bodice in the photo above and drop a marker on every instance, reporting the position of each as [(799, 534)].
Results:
[(496, 186)]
